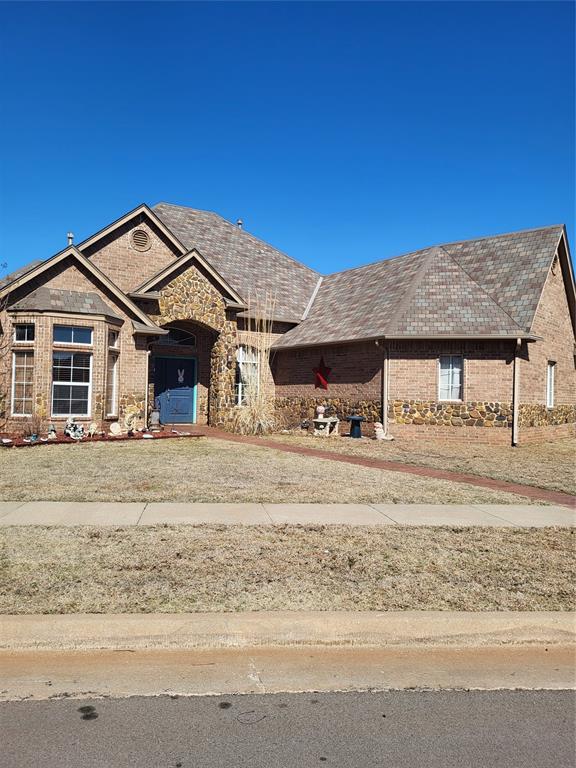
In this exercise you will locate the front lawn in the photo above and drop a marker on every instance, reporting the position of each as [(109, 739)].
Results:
[(548, 465), (205, 469), (246, 568)]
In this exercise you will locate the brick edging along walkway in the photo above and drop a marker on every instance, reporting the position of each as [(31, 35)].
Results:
[(530, 491)]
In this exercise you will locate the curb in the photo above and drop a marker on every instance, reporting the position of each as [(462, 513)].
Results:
[(286, 629)]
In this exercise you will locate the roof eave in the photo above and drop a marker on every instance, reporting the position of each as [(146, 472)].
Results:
[(396, 337)]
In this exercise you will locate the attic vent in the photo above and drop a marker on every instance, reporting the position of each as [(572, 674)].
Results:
[(140, 240)]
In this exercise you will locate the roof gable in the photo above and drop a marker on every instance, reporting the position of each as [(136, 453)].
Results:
[(141, 210), (182, 263), (255, 270), (74, 253)]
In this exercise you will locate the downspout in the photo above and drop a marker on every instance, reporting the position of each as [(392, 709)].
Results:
[(385, 389), (516, 393)]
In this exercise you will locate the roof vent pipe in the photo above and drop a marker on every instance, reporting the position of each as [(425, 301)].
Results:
[(70, 236), (239, 223)]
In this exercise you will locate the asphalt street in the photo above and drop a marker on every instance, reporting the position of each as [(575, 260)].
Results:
[(401, 729)]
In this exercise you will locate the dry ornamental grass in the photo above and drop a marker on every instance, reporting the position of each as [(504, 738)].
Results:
[(243, 568)]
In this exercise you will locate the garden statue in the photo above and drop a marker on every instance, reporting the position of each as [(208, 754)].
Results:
[(73, 430), (325, 425), (379, 433), (93, 429), (129, 423), (51, 432)]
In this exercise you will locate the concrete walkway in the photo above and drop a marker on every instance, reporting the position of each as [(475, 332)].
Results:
[(173, 513)]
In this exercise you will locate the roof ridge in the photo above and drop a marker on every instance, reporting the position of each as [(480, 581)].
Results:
[(383, 261), (484, 291), (239, 231), (443, 245), (501, 234)]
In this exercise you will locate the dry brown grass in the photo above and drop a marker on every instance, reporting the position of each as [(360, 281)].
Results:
[(242, 568), (212, 470), (549, 465)]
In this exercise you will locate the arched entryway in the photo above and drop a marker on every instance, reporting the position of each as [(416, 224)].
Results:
[(180, 373)]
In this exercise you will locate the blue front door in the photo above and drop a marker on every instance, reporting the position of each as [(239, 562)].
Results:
[(174, 389)]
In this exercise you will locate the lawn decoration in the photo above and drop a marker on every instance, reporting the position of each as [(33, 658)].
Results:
[(73, 430), (325, 425), (321, 374), (93, 429), (129, 423), (115, 429), (52, 432)]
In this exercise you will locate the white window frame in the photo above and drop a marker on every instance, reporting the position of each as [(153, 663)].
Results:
[(112, 413), (14, 353), (73, 343), (116, 344), (239, 386), (451, 399), (25, 341), (550, 383), (76, 384)]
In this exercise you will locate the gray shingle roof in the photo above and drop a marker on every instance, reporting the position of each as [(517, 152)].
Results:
[(487, 287), (252, 267), (56, 300), (511, 268)]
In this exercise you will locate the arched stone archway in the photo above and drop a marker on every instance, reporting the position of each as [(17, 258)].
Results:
[(191, 298)]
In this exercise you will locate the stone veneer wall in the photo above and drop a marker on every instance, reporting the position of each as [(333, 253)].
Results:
[(191, 297), (471, 414), (412, 418), (537, 415)]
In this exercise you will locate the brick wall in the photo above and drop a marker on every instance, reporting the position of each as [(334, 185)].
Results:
[(132, 350), (355, 374), (127, 267), (553, 323)]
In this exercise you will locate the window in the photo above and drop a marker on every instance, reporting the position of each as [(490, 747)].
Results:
[(550, 376), (450, 380), (246, 373), (24, 332), (113, 339), (71, 379), (71, 334), (112, 385), (22, 383), (180, 337)]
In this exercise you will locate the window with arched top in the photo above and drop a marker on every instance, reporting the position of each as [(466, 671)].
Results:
[(179, 337)]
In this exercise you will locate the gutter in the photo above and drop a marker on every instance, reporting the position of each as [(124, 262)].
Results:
[(445, 337)]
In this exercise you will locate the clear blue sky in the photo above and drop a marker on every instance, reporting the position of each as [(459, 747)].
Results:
[(341, 133)]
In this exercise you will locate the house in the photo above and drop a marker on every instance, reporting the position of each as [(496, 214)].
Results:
[(467, 340)]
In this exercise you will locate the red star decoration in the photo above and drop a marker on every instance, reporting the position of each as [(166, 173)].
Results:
[(321, 374)]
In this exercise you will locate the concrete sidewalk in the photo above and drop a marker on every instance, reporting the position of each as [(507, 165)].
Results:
[(173, 513)]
